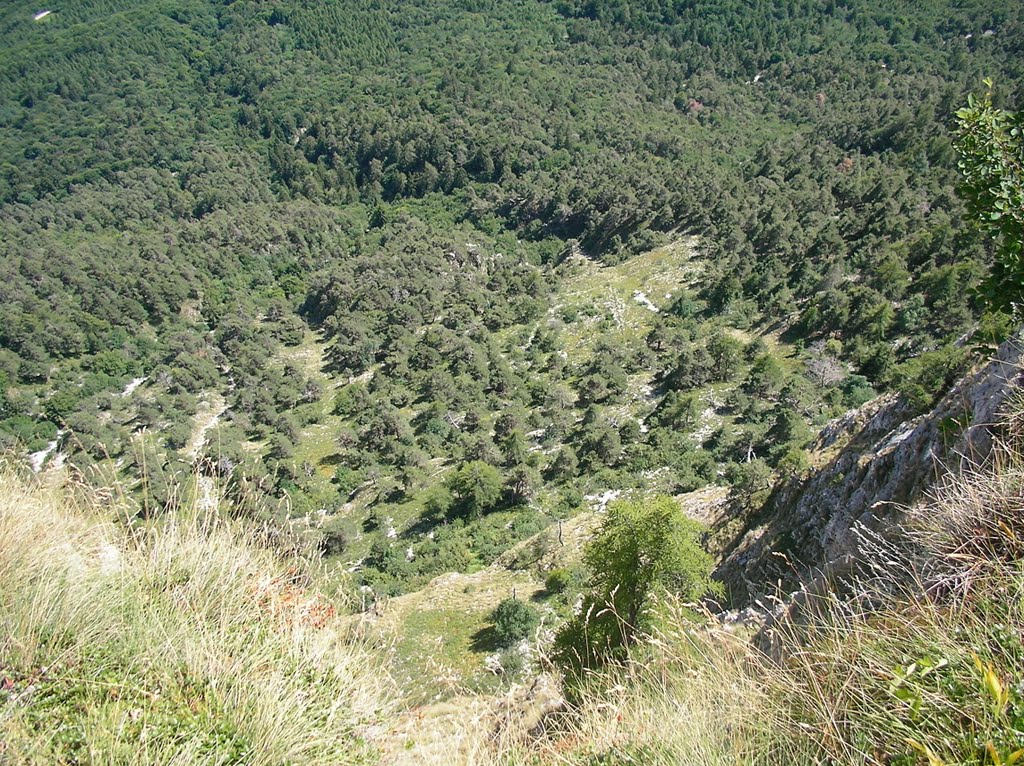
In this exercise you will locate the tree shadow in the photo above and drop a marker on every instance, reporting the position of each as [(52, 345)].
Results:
[(332, 460), (424, 523), (541, 596), (485, 640)]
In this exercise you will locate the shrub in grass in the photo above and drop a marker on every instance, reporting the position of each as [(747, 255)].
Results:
[(513, 621)]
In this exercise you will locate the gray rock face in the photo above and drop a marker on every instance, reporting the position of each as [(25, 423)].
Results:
[(884, 462)]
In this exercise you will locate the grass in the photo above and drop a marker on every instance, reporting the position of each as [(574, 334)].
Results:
[(605, 300), (187, 641), (914, 657), (439, 654), (439, 636), (685, 697), (318, 442)]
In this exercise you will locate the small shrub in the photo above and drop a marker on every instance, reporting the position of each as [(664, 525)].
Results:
[(564, 579), (513, 621), (512, 662)]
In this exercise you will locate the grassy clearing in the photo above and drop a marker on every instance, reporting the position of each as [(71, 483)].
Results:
[(440, 653), (307, 356), (183, 642), (616, 300), (439, 636), (317, 444)]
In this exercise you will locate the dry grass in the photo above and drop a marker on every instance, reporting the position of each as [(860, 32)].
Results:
[(688, 696), (183, 642), (188, 641), (920, 660)]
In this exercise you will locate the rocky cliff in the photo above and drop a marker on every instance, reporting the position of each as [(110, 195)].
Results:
[(878, 461)]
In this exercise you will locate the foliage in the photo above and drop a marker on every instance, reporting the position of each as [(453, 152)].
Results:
[(565, 579), (644, 548), (513, 621), (476, 487), (924, 379), (990, 142)]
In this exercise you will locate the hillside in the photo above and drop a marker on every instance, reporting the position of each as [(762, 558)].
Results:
[(370, 367), (880, 460), (189, 640), (192, 642), (405, 181)]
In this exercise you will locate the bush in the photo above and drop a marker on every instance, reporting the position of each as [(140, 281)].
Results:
[(476, 487), (926, 378), (643, 548), (511, 661), (857, 391), (347, 480), (513, 621), (564, 579)]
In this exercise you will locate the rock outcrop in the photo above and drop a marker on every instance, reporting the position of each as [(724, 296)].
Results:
[(879, 461)]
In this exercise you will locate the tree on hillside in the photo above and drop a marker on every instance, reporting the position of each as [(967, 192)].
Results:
[(991, 146), (513, 621), (476, 487), (643, 548), (564, 466)]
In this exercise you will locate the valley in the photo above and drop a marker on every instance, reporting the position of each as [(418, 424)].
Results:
[(511, 381)]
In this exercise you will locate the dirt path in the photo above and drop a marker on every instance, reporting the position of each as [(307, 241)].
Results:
[(207, 416)]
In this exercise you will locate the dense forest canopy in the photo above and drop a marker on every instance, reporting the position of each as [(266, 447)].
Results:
[(196, 194)]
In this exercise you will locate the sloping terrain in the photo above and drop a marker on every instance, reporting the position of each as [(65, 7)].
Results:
[(882, 461), (183, 642)]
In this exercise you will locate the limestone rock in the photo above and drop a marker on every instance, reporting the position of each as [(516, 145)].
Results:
[(877, 460)]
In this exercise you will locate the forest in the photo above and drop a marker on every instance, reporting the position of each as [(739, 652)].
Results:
[(350, 259)]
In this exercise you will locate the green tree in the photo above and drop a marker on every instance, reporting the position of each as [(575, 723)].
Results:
[(6, 407), (513, 621), (680, 410), (565, 464), (991, 146), (751, 483), (766, 377), (280, 448), (523, 482), (925, 378), (643, 547), (726, 355), (476, 487)]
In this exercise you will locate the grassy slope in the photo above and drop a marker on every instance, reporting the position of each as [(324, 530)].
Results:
[(610, 300), (439, 637), (189, 642), (184, 642)]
